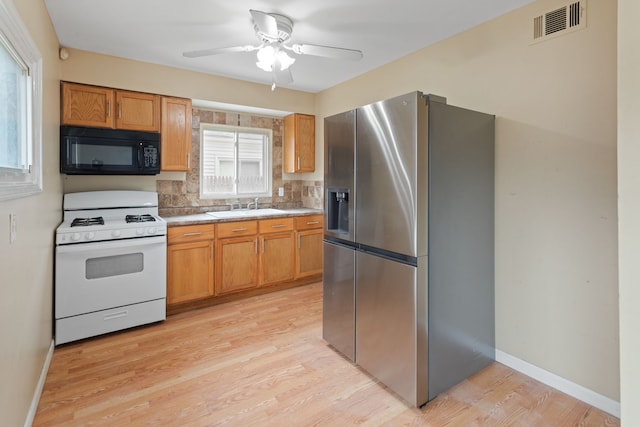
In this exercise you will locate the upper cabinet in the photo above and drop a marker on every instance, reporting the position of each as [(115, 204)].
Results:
[(137, 111), (299, 143), (93, 106), (176, 134), (87, 106)]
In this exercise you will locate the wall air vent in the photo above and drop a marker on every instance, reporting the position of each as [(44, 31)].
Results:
[(559, 21)]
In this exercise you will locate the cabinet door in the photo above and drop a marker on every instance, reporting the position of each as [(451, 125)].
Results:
[(190, 271), (138, 111), (84, 105), (176, 134), (277, 258), (309, 253), (299, 143), (237, 264)]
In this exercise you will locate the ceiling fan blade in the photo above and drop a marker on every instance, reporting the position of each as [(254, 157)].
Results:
[(219, 50), (265, 23), (327, 51), (282, 77)]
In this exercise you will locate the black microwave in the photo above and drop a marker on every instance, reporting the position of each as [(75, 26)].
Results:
[(94, 151)]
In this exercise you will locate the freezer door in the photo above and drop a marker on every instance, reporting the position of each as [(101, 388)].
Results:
[(390, 151), (386, 325), (338, 311), (339, 163)]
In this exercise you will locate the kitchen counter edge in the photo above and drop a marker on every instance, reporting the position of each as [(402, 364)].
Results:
[(203, 218)]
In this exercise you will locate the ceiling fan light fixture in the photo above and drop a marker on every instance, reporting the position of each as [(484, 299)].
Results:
[(269, 56), (284, 60), (266, 58)]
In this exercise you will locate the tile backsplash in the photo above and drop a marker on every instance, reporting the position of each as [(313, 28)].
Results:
[(183, 197)]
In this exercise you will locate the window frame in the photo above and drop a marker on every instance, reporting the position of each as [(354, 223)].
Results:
[(21, 183), (268, 160)]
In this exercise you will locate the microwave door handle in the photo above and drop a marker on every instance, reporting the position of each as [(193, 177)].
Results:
[(140, 156)]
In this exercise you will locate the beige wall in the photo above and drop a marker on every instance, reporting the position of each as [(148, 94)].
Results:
[(26, 266), (555, 102), (629, 207)]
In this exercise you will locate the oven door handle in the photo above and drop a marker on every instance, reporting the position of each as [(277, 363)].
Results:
[(112, 244)]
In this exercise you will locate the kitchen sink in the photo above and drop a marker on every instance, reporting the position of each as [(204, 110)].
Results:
[(246, 213)]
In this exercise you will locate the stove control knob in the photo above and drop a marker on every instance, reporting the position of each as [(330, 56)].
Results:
[(140, 231), (90, 235), (75, 236), (151, 230), (115, 233)]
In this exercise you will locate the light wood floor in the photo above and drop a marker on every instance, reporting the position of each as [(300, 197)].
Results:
[(262, 361)]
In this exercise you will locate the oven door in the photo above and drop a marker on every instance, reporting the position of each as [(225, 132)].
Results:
[(99, 275)]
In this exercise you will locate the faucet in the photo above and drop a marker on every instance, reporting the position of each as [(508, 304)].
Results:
[(254, 203), (232, 205)]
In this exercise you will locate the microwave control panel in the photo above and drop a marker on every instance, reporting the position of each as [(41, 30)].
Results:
[(151, 156)]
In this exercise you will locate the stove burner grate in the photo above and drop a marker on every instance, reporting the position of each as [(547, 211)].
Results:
[(139, 218), (83, 222)]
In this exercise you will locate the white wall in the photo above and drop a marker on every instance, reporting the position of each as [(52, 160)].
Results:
[(556, 230), (629, 207), (26, 266)]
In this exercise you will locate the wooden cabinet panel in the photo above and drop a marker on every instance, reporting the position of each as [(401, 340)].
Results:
[(190, 262), (277, 258), (94, 106), (205, 261), (275, 225), (176, 134), (84, 105), (237, 261), (237, 228), (308, 222), (190, 233), (299, 143), (138, 111), (309, 253), (190, 271)]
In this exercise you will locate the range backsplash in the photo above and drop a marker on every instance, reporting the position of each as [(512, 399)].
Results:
[(182, 197)]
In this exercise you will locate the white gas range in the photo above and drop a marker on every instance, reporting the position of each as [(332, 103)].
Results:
[(110, 263)]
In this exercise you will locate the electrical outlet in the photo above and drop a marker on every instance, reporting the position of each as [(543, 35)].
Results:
[(13, 227), (280, 191)]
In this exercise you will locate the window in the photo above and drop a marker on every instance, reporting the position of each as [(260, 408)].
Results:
[(235, 162), (20, 107)]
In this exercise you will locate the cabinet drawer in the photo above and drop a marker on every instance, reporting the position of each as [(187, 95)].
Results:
[(276, 225), (190, 233), (308, 222), (234, 229)]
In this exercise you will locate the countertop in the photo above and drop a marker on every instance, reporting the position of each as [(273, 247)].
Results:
[(203, 218)]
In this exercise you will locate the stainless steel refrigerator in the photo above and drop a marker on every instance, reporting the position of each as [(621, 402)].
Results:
[(408, 288)]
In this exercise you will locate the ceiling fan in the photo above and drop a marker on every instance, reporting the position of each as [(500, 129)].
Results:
[(274, 32)]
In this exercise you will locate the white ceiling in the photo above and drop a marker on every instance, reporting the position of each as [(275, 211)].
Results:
[(158, 31)]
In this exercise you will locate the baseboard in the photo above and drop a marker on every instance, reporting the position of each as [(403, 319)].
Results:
[(577, 391), (31, 415)]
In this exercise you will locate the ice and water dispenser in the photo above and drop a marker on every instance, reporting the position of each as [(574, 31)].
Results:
[(338, 210)]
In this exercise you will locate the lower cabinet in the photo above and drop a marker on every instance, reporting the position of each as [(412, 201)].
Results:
[(210, 260), (309, 254), (309, 245), (277, 254), (237, 262), (237, 256), (190, 263)]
